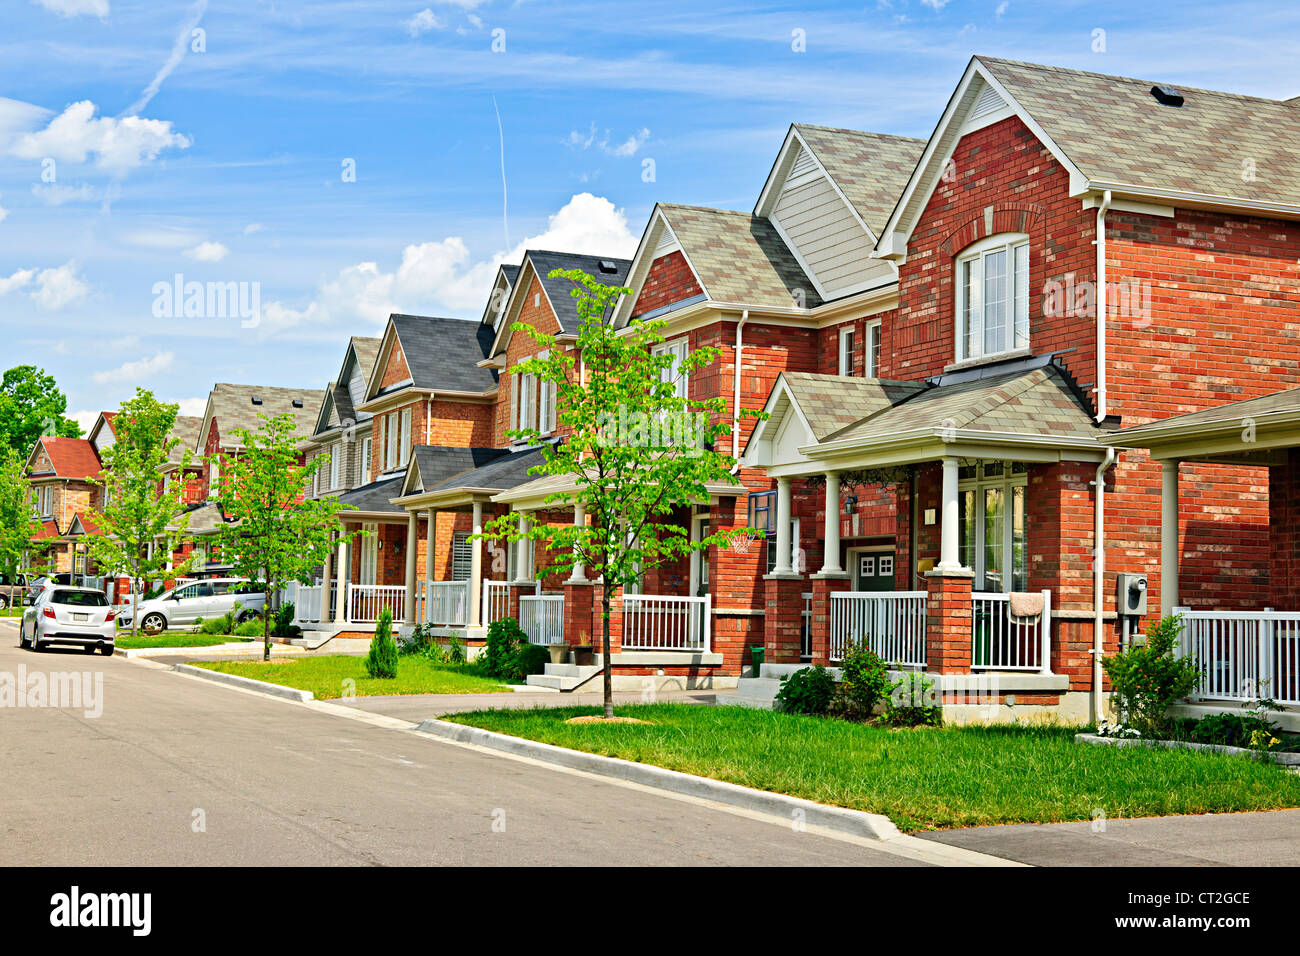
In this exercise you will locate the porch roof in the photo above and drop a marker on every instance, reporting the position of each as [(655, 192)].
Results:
[(1251, 431), (374, 499), (495, 471), (533, 494)]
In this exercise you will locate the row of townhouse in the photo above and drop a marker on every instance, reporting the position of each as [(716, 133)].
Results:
[(971, 458)]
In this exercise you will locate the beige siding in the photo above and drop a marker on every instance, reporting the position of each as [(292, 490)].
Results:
[(825, 233)]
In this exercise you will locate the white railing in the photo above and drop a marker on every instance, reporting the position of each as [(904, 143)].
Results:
[(665, 623), (1001, 642), (805, 633), (442, 602), (496, 601), (306, 602), (542, 618), (890, 623), (366, 601), (1244, 655)]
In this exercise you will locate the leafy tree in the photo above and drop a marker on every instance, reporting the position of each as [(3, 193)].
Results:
[(31, 405), (18, 526), (140, 527), (635, 449), (273, 534)]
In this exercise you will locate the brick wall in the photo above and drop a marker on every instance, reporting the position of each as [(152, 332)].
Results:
[(669, 280)]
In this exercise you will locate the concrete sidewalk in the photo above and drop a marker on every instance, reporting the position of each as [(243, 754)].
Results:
[(418, 707), (1218, 839)]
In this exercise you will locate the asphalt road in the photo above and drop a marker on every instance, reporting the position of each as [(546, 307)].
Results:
[(180, 771)]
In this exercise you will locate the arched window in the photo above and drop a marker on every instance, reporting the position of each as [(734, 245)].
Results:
[(992, 283)]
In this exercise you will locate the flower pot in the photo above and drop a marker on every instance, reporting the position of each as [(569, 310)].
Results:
[(559, 653), (582, 655)]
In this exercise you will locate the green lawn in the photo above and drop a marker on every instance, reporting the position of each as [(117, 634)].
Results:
[(324, 676), (174, 639), (923, 778)]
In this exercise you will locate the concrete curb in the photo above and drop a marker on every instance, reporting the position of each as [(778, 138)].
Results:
[(872, 826), (247, 683), (213, 650), (1284, 759)]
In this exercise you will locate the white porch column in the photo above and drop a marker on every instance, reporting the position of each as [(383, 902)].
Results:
[(412, 543), (1168, 536), (522, 547), (327, 568), (428, 545), (949, 552), (345, 576), (476, 567), (783, 564), (831, 557), (579, 519)]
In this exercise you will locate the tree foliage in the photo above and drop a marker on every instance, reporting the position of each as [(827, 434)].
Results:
[(18, 526), (31, 406)]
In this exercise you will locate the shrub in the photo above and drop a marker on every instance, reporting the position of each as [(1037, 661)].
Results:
[(808, 690), (504, 638), (250, 628), (913, 703), (282, 624), (419, 641), (1147, 679), (224, 624), (864, 681), (530, 659), (382, 659), (454, 652)]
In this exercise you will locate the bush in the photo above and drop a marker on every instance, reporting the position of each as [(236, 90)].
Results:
[(419, 641), (808, 690), (224, 624), (530, 659), (1147, 679), (1251, 729), (913, 703), (864, 681), (504, 638), (282, 624), (382, 659), (250, 628), (454, 653)]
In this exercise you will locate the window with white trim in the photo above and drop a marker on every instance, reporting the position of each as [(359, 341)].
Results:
[(462, 556), (390, 441), (404, 437), (672, 373), (364, 476), (993, 297), (873, 349), (991, 499), (846, 351), (336, 453), (214, 479), (528, 400)]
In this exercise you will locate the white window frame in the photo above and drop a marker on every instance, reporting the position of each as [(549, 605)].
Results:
[(390, 441), (846, 350), (214, 478), (975, 257), (366, 446), (871, 350), (678, 349), (528, 400), (404, 437), (336, 452), (1007, 482)]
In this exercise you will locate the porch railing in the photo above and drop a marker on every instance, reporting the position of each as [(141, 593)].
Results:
[(496, 601), (1244, 655), (661, 622), (306, 601), (541, 616), (365, 602), (805, 632), (442, 602), (890, 623), (1002, 642)]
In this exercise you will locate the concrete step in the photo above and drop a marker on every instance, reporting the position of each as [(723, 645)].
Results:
[(563, 677)]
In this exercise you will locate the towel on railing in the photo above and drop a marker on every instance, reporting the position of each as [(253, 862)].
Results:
[(1026, 605)]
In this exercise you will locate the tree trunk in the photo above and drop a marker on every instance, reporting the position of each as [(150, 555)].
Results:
[(266, 620), (608, 666)]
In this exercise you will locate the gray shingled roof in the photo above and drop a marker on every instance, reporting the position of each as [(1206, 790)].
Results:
[(560, 291), (232, 406), (504, 472), (1037, 402), (1115, 131), (187, 430), (870, 168), (444, 353), (1277, 403), (375, 496), (833, 402), (739, 257), (437, 463)]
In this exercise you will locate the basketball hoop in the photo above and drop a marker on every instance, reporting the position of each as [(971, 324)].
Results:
[(743, 542)]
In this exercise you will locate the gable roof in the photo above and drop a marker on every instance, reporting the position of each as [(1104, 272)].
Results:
[(501, 285), (70, 458), (232, 407), (468, 470), (441, 354), (337, 405), (539, 264), (186, 430), (83, 523), (431, 465), (102, 420), (830, 403), (375, 497)]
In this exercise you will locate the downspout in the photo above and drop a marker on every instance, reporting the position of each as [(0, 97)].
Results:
[(735, 399), (1103, 304), (1102, 299)]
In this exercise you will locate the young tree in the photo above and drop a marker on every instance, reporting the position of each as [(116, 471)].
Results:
[(139, 526), (273, 534), (18, 526), (31, 405), (636, 448)]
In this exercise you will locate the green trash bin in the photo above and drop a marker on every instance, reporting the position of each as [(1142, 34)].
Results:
[(756, 652)]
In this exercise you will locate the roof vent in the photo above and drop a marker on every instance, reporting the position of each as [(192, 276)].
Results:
[(297, 403), (256, 400), (608, 266), (1167, 95)]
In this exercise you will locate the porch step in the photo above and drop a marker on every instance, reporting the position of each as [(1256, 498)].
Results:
[(563, 677), (759, 692)]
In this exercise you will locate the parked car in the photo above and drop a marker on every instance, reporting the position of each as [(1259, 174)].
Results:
[(80, 617), (13, 590), (35, 585), (185, 605)]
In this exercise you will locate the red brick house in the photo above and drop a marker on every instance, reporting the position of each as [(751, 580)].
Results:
[(62, 473)]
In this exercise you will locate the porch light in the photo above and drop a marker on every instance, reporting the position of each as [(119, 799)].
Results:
[(850, 504)]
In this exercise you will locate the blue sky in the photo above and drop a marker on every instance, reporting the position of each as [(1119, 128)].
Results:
[(222, 155)]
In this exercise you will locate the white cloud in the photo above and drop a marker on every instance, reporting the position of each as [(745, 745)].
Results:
[(59, 287), (633, 143), (116, 144), (442, 277), (133, 373), (422, 22), (179, 49), (76, 8), (194, 407), (253, 227), (207, 252), (587, 140), (3, 213), (1002, 8), (16, 281), (935, 4), (56, 194)]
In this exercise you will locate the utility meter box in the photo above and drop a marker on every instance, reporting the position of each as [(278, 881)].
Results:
[(1131, 594)]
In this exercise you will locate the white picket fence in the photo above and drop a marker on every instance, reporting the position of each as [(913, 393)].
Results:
[(444, 603), (365, 602), (1004, 643), (541, 616), (890, 623), (1244, 655), (496, 601), (665, 623)]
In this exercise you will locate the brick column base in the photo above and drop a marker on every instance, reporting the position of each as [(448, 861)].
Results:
[(948, 621), (783, 622), (516, 591), (822, 589), (615, 619), (581, 626)]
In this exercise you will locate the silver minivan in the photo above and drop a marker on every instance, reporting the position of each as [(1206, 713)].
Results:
[(185, 605)]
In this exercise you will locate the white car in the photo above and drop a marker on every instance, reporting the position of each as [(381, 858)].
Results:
[(186, 604), (78, 617)]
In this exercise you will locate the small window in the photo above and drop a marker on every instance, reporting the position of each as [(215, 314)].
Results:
[(390, 441), (405, 437), (846, 351), (873, 350), (993, 297), (462, 555), (886, 566), (672, 373), (365, 461), (336, 454), (79, 599)]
